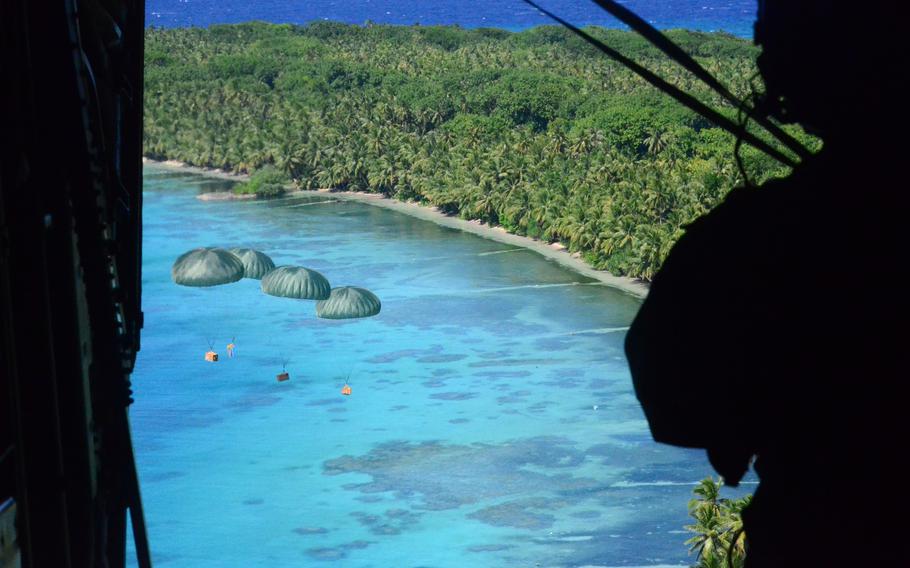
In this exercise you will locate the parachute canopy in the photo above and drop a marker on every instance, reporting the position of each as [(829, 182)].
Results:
[(206, 267), (349, 302), (255, 263), (296, 282)]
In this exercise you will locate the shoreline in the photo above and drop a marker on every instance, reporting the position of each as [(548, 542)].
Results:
[(555, 252)]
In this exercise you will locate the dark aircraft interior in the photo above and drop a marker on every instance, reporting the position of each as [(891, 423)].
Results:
[(70, 281)]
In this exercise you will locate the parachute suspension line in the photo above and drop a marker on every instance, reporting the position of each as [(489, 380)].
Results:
[(284, 360), (681, 96), (674, 52)]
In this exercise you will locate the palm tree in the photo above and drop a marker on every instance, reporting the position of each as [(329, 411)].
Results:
[(719, 536), (655, 142)]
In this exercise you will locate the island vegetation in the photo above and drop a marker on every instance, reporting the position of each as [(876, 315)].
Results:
[(719, 539), (533, 131)]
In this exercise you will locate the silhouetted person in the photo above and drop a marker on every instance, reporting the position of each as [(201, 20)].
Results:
[(777, 328)]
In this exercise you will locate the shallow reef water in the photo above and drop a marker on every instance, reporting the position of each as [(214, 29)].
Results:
[(492, 422)]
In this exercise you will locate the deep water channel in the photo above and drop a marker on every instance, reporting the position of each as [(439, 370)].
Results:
[(492, 421)]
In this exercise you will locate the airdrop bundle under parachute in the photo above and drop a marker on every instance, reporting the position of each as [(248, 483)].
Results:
[(212, 266)]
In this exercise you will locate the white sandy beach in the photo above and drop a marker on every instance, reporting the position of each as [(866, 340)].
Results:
[(555, 251)]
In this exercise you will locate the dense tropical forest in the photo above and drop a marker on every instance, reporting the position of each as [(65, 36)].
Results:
[(534, 131)]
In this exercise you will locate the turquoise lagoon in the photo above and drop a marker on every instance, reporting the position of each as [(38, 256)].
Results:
[(492, 421)]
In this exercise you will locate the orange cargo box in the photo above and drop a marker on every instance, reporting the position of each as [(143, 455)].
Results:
[(211, 356), (283, 376), (346, 390)]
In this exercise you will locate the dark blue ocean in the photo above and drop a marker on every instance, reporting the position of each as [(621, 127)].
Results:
[(732, 16)]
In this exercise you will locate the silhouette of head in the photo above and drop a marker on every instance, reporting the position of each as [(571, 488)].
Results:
[(830, 66)]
